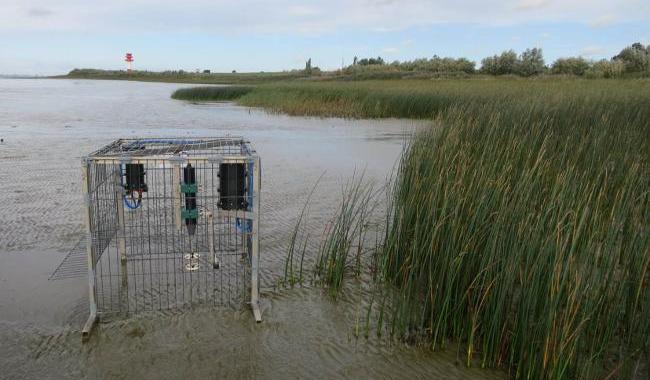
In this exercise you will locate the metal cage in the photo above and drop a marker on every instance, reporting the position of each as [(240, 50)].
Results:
[(171, 222)]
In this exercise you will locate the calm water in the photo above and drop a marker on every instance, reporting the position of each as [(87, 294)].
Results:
[(48, 125)]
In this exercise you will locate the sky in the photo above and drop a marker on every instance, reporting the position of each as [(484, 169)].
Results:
[(45, 37)]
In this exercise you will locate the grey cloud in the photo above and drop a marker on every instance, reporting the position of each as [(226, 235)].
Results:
[(602, 21), (531, 4), (39, 12), (299, 17)]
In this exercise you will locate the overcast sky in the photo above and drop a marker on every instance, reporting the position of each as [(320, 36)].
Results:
[(50, 37)]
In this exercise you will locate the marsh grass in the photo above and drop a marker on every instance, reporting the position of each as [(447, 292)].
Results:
[(342, 245), (522, 232), (294, 269), (212, 93), (426, 99), (518, 228)]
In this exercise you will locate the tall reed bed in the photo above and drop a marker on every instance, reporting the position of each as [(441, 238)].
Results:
[(425, 99), (211, 93), (521, 230)]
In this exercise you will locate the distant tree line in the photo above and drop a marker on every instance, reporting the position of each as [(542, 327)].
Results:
[(435, 65), (634, 59), (528, 63), (368, 61)]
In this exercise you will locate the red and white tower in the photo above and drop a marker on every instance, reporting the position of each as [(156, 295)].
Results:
[(129, 61)]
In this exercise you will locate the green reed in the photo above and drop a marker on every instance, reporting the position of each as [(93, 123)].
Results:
[(292, 278), (520, 230), (212, 93), (425, 99), (344, 235), (518, 226)]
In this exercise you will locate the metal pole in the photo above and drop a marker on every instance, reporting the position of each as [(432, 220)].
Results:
[(255, 290), (92, 318), (176, 195), (121, 241), (213, 255)]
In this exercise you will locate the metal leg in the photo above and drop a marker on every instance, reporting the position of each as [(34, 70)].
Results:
[(92, 318), (121, 245), (88, 327), (255, 296), (213, 255)]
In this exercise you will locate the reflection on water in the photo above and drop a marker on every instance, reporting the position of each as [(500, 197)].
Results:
[(48, 125)]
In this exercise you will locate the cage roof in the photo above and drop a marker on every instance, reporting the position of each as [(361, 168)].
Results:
[(187, 147)]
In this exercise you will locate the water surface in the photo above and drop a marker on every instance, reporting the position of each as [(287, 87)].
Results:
[(48, 125)]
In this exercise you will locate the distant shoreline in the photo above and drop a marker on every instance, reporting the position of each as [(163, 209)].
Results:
[(182, 76), (23, 77)]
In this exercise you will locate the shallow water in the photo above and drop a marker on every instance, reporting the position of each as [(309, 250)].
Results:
[(48, 125)]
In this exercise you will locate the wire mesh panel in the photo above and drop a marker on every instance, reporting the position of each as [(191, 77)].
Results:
[(172, 222)]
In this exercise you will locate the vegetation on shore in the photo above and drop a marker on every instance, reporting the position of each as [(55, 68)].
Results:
[(519, 229), (522, 229), (214, 93), (416, 99), (181, 76), (632, 61)]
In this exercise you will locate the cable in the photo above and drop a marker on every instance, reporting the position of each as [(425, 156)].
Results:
[(243, 228), (134, 205)]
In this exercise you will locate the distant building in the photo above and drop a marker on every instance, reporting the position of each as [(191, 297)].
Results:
[(129, 62)]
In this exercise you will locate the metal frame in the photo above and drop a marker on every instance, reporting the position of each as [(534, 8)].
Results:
[(164, 157)]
